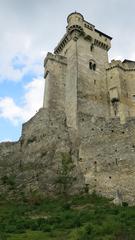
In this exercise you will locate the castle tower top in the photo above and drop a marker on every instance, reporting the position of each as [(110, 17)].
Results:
[(75, 22), (78, 26), (74, 15)]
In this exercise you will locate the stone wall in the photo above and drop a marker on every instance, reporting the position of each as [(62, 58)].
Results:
[(121, 82), (92, 84), (107, 156), (55, 70), (71, 85), (103, 155)]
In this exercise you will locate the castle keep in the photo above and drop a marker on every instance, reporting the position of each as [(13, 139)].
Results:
[(88, 116), (82, 78)]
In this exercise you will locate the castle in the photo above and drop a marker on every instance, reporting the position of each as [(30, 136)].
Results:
[(88, 112), (83, 78)]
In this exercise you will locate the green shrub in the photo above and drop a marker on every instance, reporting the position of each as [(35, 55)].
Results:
[(124, 204), (3, 236), (46, 228), (65, 179), (9, 180), (66, 206), (74, 218)]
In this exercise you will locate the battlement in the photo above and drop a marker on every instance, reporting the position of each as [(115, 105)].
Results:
[(78, 26), (53, 57), (126, 65)]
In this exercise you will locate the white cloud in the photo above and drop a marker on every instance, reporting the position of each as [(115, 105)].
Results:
[(9, 110), (32, 101), (19, 51), (33, 98)]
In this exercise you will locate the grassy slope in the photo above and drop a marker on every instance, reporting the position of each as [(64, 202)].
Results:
[(77, 218)]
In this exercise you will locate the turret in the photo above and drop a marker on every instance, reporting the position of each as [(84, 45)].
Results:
[(75, 22)]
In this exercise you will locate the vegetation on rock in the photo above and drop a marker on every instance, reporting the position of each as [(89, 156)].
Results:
[(65, 177)]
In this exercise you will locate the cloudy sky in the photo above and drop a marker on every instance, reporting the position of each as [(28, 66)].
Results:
[(31, 28)]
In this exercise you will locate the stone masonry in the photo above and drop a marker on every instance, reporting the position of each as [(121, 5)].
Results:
[(88, 115)]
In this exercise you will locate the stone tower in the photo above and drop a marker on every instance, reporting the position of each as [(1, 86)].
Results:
[(121, 89), (76, 74), (79, 78)]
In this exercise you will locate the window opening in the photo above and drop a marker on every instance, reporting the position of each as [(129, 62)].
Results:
[(92, 65), (115, 104)]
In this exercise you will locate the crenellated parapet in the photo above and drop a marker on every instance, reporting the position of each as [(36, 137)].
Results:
[(78, 27), (101, 44), (121, 88), (57, 58), (126, 65), (63, 42)]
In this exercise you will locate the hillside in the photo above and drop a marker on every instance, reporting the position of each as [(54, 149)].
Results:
[(73, 218)]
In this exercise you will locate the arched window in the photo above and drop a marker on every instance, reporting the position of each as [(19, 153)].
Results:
[(92, 65)]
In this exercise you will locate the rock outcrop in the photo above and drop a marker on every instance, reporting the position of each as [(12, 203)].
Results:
[(34, 164)]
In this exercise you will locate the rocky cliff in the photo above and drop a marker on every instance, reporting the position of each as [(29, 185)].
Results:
[(43, 161)]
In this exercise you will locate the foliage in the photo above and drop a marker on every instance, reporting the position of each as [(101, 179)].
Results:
[(9, 180), (74, 218), (65, 177), (3, 236)]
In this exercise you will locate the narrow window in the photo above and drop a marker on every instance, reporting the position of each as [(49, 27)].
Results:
[(92, 47), (90, 65), (94, 67)]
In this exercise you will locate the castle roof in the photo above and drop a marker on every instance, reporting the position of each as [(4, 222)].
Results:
[(105, 35), (128, 61), (75, 13)]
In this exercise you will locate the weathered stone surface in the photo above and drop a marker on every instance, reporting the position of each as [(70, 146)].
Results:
[(107, 156), (32, 164)]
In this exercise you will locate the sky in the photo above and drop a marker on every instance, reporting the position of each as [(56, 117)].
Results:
[(31, 28)]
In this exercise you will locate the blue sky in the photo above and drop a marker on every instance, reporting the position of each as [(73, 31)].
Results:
[(29, 29)]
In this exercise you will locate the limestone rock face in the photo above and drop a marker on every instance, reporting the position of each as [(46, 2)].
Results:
[(33, 164)]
